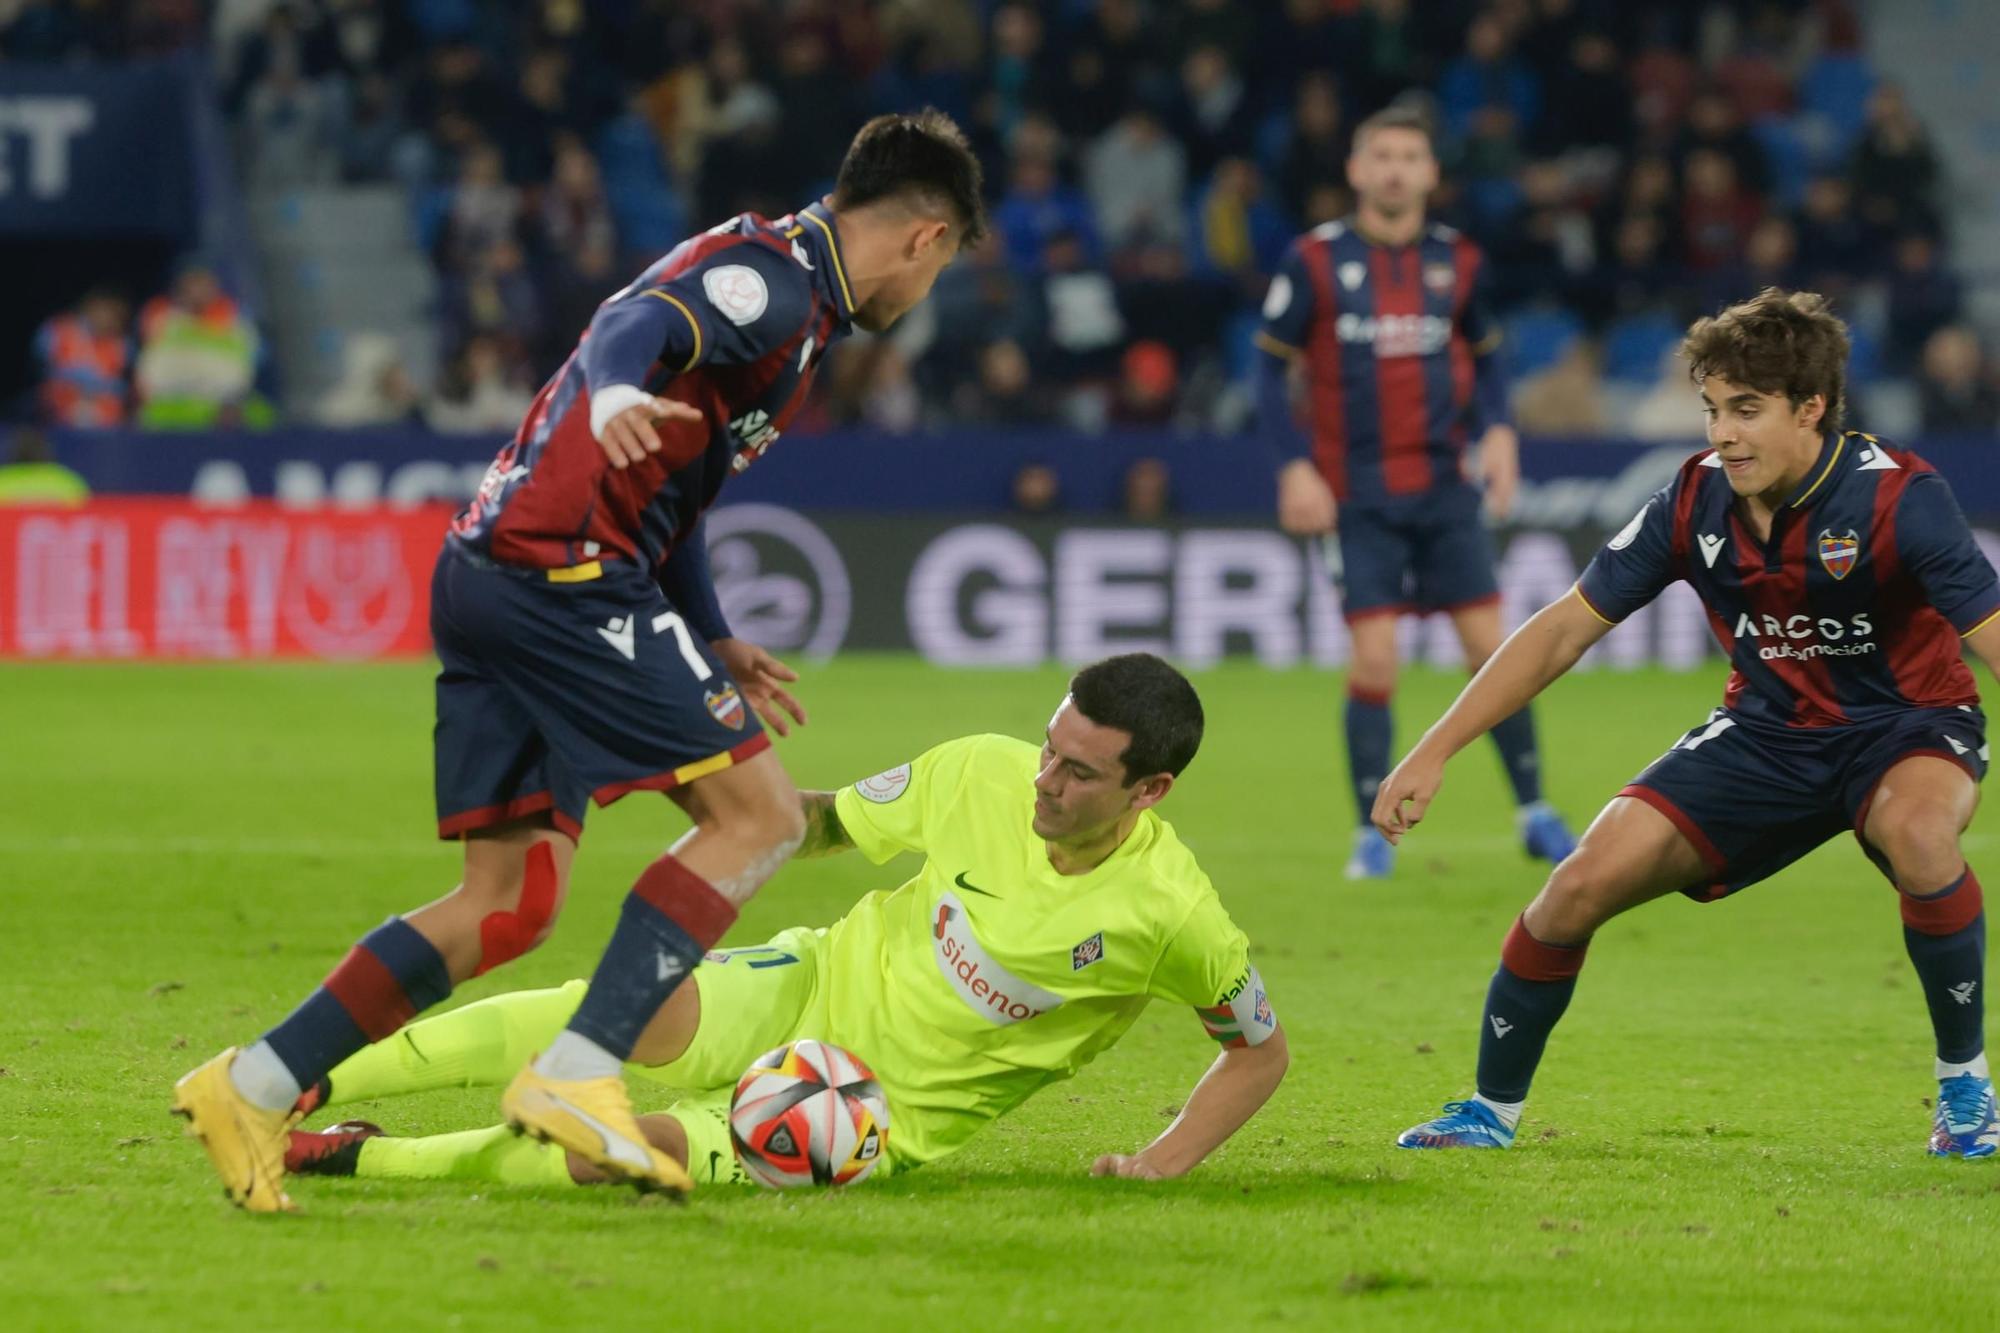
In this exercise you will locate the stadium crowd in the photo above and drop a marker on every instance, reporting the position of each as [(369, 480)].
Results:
[(1625, 165)]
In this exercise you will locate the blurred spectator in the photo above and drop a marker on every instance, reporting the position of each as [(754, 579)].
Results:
[(1714, 126), (475, 393), (1718, 213), (1770, 259), (1036, 490), (1214, 117), (1081, 305), (85, 360), (1895, 172), (1589, 103), (287, 128), (1239, 233), (1565, 399), (368, 130), (1923, 298), (1149, 492), (31, 476), (575, 213), (197, 357), (495, 294), (1039, 207), (485, 209), (1487, 77), (1020, 68), (1316, 149), (1004, 392), (1833, 245), (1148, 385), (1956, 385), (374, 389), (1136, 178), (1662, 79)]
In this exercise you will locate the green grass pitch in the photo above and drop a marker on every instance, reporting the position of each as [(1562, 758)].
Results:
[(1728, 1131)]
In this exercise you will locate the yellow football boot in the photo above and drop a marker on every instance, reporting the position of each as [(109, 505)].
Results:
[(244, 1142), (593, 1119)]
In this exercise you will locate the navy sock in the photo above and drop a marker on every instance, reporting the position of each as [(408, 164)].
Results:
[(1368, 739), (670, 919), (1945, 934), (1515, 738), (387, 979), (1527, 998)]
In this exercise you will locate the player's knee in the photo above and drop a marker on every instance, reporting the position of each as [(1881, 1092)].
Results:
[(1372, 677), (1582, 894), (1922, 847)]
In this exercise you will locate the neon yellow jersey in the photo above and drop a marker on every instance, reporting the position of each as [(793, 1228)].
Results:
[(989, 974)]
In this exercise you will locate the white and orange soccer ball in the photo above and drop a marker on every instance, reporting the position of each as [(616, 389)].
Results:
[(809, 1114)]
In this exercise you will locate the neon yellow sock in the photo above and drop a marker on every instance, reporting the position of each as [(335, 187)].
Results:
[(497, 1154), (480, 1045)]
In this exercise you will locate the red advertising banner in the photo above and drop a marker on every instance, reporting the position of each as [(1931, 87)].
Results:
[(168, 579)]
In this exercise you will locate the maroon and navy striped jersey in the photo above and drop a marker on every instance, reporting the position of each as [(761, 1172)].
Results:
[(733, 321), (1398, 351), (1854, 607)]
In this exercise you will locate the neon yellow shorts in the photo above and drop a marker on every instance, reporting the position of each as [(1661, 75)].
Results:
[(753, 1000)]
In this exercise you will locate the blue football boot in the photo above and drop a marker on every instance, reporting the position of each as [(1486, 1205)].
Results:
[(1466, 1124), (1967, 1123), (1373, 856), (1543, 833)]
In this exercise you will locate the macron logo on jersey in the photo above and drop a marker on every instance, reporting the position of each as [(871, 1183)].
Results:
[(994, 993)]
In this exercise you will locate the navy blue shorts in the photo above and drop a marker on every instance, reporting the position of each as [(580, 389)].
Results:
[(552, 695), (1422, 554), (1753, 798)]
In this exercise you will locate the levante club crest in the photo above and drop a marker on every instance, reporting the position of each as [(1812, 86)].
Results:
[(1838, 553), (726, 706)]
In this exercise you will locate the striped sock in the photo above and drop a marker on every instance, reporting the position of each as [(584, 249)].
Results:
[(387, 979)]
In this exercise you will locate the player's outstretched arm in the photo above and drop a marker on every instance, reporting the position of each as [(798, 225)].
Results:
[(824, 831), (1532, 658), (1240, 1081)]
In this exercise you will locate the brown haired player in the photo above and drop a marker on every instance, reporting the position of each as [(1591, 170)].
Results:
[(1841, 579)]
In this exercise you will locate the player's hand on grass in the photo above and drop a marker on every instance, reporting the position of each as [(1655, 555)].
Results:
[(1305, 501), (629, 436), (762, 678), (1404, 796), (1127, 1166), (1500, 468)]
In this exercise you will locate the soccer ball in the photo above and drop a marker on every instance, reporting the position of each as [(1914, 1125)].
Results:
[(808, 1114)]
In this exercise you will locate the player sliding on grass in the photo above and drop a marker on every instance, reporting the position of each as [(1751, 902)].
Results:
[(1840, 576), (1052, 904), (585, 656)]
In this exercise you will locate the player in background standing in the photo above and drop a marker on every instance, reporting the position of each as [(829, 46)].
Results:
[(1379, 319), (585, 656), (1054, 902), (1840, 577)]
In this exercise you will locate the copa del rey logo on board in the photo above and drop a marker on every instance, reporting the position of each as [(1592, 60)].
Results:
[(1838, 553)]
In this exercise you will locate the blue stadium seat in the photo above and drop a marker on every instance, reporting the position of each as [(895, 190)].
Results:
[(1790, 158), (1836, 89), (1633, 347), (648, 212), (1537, 339)]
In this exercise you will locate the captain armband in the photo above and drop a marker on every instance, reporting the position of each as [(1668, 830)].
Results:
[(1242, 1017)]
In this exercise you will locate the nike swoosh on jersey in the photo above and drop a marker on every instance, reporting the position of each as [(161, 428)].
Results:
[(973, 888)]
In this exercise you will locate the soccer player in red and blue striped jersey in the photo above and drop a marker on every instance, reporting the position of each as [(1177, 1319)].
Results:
[(585, 656), (1380, 320), (1842, 580)]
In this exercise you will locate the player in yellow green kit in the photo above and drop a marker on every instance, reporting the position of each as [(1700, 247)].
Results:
[(1053, 903)]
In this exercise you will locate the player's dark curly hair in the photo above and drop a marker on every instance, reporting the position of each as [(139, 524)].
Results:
[(1140, 694), (1775, 342), (923, 155)]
